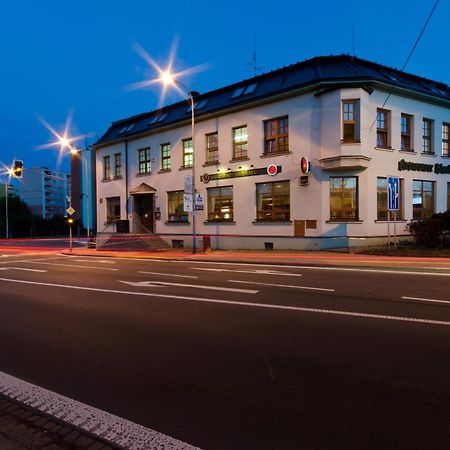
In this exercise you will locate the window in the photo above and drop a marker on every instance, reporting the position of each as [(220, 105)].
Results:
[(175, 204), (350, 121), (188, 153), (112, 209), (427, 137), (382, 200), (240, 144), (448, 196), (343, 198), (158, 119), (165, 156), (145, 163), (445, 139), (273, 201), (423, 199), (106, 168), (406, 122), (220, 204), (245, 90), (276, 135), (212, 148), (383, 138), (117, 165)]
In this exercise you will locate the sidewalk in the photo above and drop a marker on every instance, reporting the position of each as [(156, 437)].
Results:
[(299, 258)]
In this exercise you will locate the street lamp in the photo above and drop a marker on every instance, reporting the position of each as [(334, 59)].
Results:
[(169, 79)]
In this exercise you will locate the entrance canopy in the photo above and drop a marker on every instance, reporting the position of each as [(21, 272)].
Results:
[(143, 188)]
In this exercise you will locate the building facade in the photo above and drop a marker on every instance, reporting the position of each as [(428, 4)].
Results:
[(294, 159), (46, 192)]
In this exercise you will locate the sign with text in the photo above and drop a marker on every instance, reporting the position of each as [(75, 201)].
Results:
[(199, 202), (187, 202), (393, 193), (188, 184)]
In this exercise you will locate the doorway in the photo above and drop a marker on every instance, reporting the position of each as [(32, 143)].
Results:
[(143, 212)]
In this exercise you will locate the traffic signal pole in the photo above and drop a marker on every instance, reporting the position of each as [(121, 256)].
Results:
[(6, 206)]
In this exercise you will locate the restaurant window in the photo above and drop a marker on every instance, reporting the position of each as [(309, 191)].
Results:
[(117, 165), (212, 148), (165, 157), (427, 137), (273, 201), (175, 205), (383, 137), (240, 142), (382, 200), (423, 199), (350, 121), (220, 204), (188, 153), (112, 209), (343, 198), (106, 167), (276, 135), (145, 163), (445, 139), (406, 122)]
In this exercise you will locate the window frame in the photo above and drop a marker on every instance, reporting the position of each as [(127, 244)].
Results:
[(422, 212), (107, 167), (187, 155), (212, 153), (117, 165), (445, 139), (174, 216), (222, 202), (145, 162), (408, 134), (166, 154), (346, 211), (350, 122), (111, 218), (383, 132), (243, 154), (277, 135), (274, 211), (427, 136)]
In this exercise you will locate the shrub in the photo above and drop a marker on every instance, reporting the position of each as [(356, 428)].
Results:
[(433, 231)]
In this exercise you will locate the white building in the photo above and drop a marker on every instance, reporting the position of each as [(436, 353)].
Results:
[(46, 192), (356, 122)]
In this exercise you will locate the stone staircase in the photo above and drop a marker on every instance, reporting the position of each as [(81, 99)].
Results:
[(134, 242)]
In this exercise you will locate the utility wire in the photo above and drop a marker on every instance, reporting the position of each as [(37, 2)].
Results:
[(409, 56)]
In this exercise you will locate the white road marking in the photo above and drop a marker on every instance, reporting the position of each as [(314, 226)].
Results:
[(97, 260), (167, 274), (118, 431), (311, 288), (256, 271), (236, 303), (68, 265), (195, 286), (22, 268), (432, 300)]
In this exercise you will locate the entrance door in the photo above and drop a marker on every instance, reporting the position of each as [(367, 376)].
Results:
[(143, 208)]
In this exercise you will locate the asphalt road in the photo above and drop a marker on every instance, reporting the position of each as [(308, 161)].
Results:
[(226, 356)]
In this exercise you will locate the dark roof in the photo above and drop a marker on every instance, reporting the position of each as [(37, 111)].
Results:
[(321, 70)]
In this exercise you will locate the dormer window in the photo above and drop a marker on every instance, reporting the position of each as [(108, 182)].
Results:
[(158, 119), (245, 90)]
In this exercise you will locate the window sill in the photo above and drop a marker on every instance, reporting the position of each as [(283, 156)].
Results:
[(143, 174), (386, 221), (176, 222), (272, 222), (344, 221), (219, 222), (408, 150), (245, 158), (357, 141), (211, 163), (118, 178), (269, 155), (429, 154), (185, 168), (164, 171), (385, 149), (106, 180)]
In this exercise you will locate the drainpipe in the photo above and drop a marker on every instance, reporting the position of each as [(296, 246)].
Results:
[(126, 180)]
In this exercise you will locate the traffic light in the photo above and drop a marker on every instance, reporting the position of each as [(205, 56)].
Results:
[(17, 168), (70, 221)]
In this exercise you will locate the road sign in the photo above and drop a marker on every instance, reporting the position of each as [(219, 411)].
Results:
[(188, 184), (393, 193), (199, 202), (187, 202), (70, 210)]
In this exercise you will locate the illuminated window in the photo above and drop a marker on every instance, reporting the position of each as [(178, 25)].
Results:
[(276, 135), (445, 139), (188, 153), (427, 137), (112, 209), (383, 138), (145, 163), (406, 122), (423, 199), (240, 142), (106, 168), (343, 198), (350, 121), (117, 165), (220, 204), (382, 200), (175, 204), (212, 148), (273, 201), (165, 157)]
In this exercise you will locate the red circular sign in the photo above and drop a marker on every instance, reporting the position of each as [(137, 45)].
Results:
[(272, 169), (304, 165)]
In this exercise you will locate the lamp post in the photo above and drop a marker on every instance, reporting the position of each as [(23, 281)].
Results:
[(169, 79)]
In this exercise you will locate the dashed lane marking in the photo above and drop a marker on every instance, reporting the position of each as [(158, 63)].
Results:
[(69, 265), (431, 300), (118, 431), (242, 304), (256, 271), (167, 274), (23, 268), (309, 288)]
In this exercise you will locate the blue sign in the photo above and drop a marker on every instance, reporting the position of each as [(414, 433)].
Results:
[(393, 193)]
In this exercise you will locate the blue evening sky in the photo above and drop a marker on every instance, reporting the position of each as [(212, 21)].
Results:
[(61, 56)]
